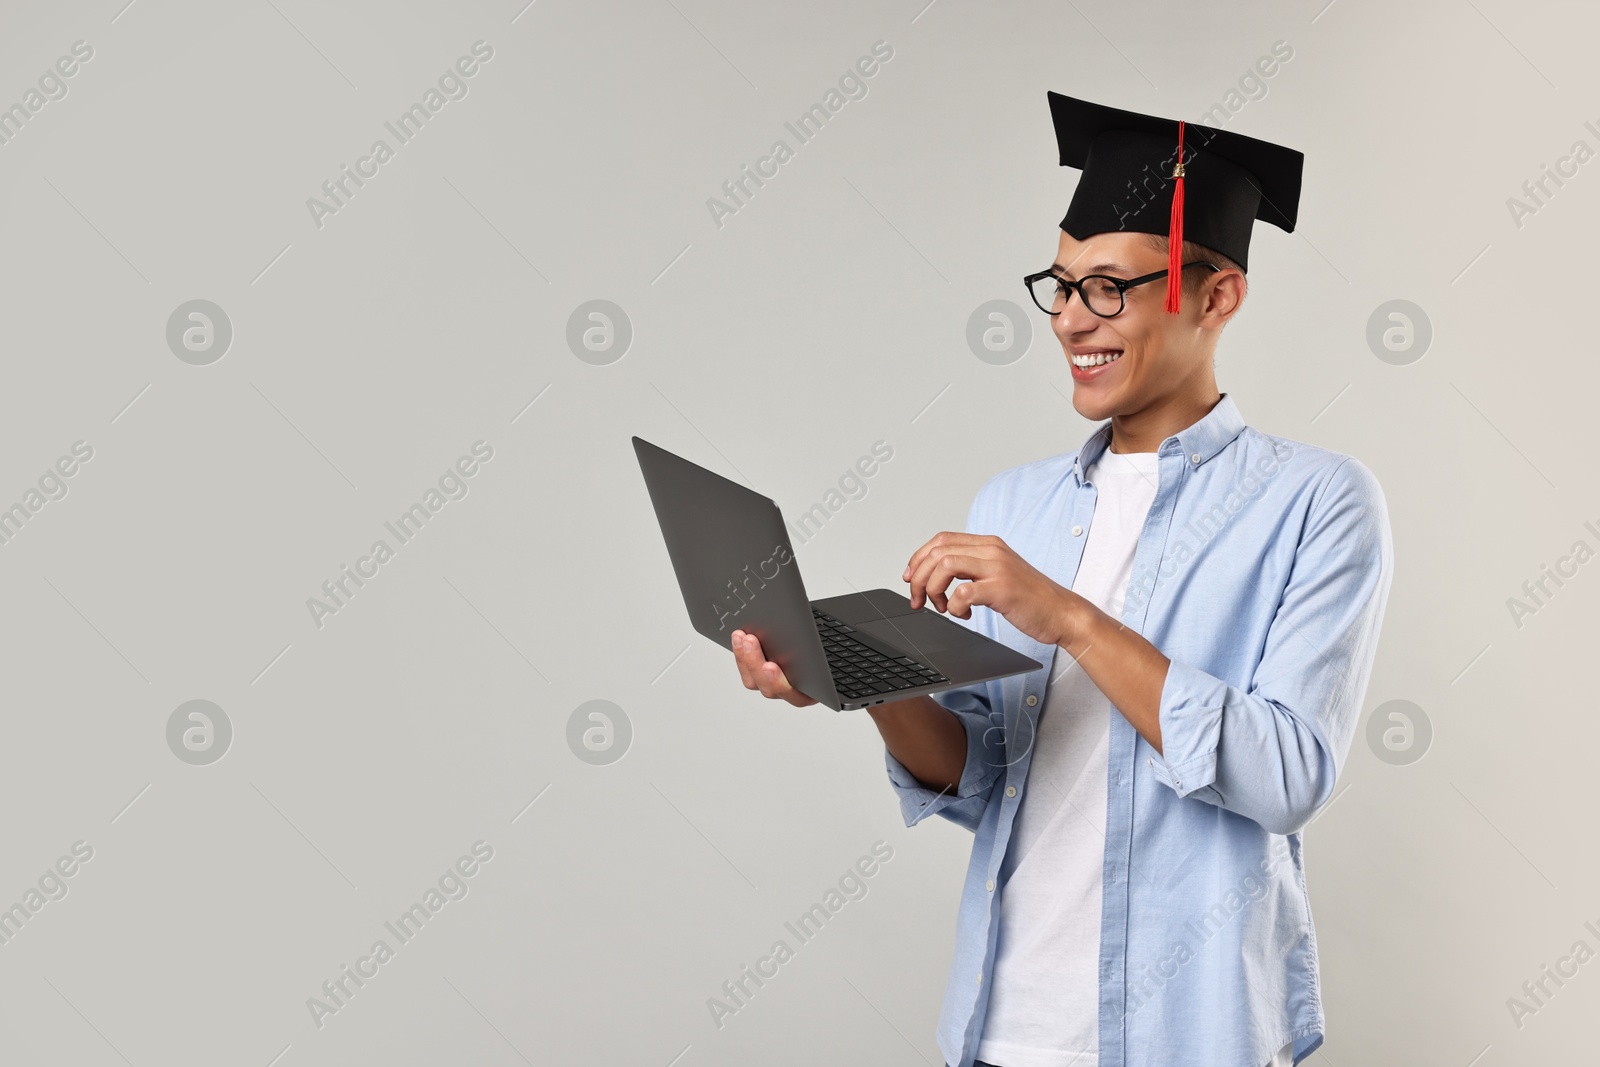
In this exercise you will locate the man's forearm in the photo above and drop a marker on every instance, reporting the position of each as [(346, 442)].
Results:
[(931, 742), (1129, 670), (926, 737)]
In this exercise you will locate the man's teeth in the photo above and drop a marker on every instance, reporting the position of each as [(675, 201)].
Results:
[(1096, 359)]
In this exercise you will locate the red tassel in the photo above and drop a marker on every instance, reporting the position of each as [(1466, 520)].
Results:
[(1175, 234)]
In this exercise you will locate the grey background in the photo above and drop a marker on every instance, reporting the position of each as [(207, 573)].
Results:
[(829, 313)]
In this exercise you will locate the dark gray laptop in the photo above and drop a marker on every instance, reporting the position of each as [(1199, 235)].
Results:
[(737, 571)]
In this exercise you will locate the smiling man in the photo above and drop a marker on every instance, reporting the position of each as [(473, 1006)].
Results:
[(1136, 893)]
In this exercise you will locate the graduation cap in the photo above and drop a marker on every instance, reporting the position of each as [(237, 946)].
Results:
[(1144, 174)]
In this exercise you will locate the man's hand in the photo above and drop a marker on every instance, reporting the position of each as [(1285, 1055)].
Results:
[(996, 577), (758, 672)]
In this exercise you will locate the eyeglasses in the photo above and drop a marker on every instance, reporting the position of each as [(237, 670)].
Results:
[(1102, 294)]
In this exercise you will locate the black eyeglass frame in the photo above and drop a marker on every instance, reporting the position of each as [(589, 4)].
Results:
[(1122, 286)]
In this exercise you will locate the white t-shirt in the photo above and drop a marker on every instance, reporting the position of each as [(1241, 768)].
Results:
[(1044, 998)]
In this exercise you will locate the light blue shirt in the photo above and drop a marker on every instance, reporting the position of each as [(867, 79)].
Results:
[(1262, 572)]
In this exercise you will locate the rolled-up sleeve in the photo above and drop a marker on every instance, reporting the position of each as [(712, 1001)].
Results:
[(1273, 752), (985, 761)]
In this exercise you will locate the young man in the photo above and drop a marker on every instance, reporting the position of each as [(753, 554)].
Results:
[(1136, 895)]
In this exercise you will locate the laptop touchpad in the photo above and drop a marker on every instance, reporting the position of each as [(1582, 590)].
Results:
[(918, 633)]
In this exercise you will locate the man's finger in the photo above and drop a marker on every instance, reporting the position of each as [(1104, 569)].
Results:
[(922, 587), (787, 691), (964, 596), (761, 674), (774, 685), (741, 658), (944, 537), (978, 546), (922, 564), (946, 569), (761, 670)]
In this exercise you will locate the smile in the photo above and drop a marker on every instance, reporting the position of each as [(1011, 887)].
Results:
[(1095, 359)]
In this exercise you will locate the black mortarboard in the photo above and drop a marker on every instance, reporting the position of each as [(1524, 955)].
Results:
[(1136, 169)]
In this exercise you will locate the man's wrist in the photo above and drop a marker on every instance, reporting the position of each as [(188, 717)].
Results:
[(1074, 620)]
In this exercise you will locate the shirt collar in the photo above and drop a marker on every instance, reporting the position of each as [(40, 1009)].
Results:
[(1213, 432)]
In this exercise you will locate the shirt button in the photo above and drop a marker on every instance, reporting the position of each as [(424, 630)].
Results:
[(1195, 457), (980, 977), (1077, 531), (1032, 700), (1011, 790), (989, 885), (1149, 762)]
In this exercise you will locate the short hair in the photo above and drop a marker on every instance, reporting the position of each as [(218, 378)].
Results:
[(1192, 279)]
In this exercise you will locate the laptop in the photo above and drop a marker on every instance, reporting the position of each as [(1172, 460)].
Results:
[(736, 569)]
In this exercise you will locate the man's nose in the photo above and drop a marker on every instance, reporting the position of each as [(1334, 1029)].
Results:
[(1075, 317)]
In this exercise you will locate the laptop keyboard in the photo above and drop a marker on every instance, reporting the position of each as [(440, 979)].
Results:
[(860, 671)]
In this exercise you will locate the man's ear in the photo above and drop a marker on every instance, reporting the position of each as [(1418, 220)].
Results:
[(1224, 293)]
